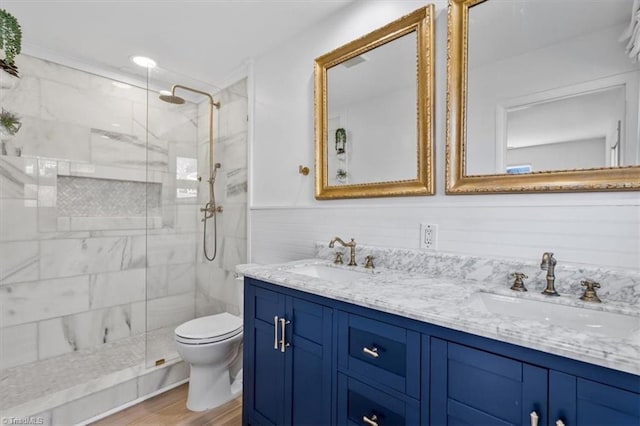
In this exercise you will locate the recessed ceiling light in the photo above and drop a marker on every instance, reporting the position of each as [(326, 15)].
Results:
[(144, 62), (121, 85)]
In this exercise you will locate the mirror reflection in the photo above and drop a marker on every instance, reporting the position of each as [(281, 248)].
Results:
[(371, 115), (554, 86)]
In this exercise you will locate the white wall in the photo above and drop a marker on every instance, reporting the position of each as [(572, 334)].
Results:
[(600, 229)]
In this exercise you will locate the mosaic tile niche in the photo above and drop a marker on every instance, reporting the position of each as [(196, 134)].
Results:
[(80, 196)]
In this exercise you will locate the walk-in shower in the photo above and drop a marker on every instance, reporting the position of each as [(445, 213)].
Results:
[(92, 288), (210, 209)]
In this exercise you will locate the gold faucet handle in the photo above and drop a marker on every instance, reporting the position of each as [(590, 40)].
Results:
[(590, 291), (368, 262), (338, 259), (518, 282)]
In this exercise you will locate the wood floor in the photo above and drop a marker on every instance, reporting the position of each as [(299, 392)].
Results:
[(170, 409)]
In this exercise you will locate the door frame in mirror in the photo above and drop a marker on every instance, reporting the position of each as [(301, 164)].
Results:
[(420, 21), (457, 182)]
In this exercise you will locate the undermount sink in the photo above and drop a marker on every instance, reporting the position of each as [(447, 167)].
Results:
[(329, 273), (605, 323)]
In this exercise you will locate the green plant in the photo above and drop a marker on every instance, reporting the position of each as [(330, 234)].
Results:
[(10, 36), (10, 121)]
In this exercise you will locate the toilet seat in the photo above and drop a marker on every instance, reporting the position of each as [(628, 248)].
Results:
[(209, 329)]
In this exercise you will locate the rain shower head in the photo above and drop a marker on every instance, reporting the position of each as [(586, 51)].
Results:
[(172, 99)]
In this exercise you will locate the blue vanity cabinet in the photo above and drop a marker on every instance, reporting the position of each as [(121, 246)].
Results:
[(361, 403), (311, 360), (501, 384), (287, 359), (378, 371), (381, 352), (474, 387), (579, 401)]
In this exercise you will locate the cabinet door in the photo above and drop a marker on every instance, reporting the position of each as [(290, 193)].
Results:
[(578, 401), (474, 387), (289, 384), (309, 363), (264, 363)]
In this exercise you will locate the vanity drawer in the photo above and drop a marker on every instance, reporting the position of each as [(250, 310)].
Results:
[(357, 400), (381, 352)]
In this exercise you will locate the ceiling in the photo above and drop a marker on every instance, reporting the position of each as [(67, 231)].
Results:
[(206, 40)]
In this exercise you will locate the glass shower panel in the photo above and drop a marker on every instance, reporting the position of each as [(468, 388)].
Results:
[(172, 209), (181, 283), (73, 184)]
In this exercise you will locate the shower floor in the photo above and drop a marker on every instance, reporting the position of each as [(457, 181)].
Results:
[(33, 388)]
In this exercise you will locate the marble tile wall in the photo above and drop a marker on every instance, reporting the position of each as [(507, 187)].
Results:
[(82, 244), (216, 288)]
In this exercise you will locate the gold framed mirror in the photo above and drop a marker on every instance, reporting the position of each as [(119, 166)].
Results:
[(539, 100), (373, 113)]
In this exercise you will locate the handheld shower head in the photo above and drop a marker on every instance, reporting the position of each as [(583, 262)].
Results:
[(172, 99)]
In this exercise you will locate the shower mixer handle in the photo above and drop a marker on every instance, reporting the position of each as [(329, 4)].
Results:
[(210, 210)]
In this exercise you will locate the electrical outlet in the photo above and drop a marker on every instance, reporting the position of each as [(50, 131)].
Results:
[(428, 236)]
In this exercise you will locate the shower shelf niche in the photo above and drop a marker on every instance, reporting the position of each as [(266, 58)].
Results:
[(87, 203)]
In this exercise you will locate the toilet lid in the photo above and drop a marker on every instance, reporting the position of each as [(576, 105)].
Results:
[(212, 328)]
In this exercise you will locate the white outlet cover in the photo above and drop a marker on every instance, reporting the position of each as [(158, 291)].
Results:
[(428, 236)]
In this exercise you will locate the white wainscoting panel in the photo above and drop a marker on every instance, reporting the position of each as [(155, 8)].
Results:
[(596, 235)]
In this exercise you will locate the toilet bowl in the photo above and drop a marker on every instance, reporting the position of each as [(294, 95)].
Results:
[(209, 344)]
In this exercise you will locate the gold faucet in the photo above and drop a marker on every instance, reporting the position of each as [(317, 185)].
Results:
[(549, 264), (352, 249)]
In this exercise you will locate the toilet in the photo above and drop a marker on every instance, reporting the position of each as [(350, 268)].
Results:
[(210, 345)]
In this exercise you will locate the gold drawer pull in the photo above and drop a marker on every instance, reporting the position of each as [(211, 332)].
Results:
[(371, 352), (370, 421)]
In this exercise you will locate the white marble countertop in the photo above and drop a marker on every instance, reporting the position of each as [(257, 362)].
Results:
[(445, 301)]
